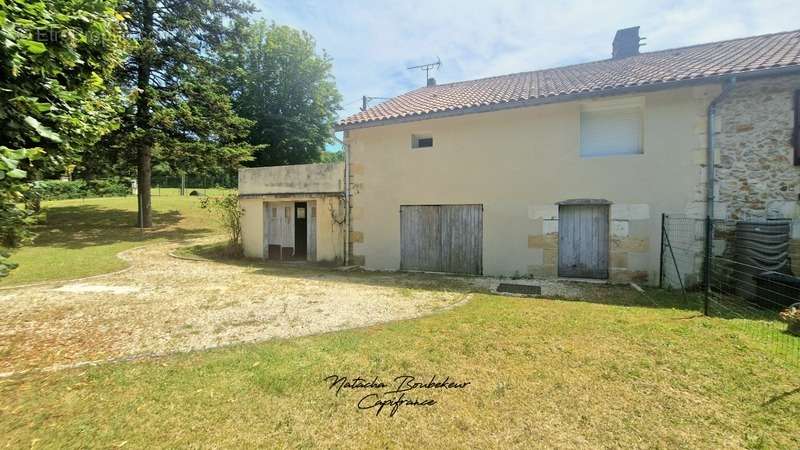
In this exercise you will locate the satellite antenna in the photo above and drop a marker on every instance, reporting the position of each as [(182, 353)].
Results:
[(428, 67)]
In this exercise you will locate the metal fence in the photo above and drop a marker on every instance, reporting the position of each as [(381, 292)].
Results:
[(749, 274), (168, 184), (682, 252), (752, 279)]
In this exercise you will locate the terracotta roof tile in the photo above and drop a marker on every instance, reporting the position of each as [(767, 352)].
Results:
[(686, 63)]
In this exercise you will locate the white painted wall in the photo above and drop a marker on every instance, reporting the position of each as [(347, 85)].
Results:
[(519, 163)]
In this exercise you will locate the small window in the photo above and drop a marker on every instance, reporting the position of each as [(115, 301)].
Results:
[(612, 128), (421, 141), (301, 213), (796, 133)]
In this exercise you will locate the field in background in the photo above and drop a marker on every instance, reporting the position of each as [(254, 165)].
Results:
[(82, 237)]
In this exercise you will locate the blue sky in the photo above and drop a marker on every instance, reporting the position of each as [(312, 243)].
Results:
[(372, 42)]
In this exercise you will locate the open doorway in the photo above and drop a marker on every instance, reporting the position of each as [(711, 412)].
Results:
[(300, 230), (290, 231)]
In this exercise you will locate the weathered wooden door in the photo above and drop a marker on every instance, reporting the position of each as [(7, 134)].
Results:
[(312, 231), (442, 238), (278, 229), (583, 241)]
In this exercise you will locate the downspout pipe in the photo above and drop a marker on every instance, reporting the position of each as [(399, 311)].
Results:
[(346, 149), (727, 87)]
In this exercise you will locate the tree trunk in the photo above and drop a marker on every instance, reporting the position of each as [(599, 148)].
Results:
[(143, 115)]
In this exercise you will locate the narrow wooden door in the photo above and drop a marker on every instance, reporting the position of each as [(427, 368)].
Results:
[(442, 238), (583, 241), (278, 230), (312, 231)]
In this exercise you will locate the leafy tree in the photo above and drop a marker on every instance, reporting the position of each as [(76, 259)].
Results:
[(55, 58), (287, 89), (180, 113), (331, 157)]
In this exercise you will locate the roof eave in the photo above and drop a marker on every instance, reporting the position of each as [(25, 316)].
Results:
[(773, 71)]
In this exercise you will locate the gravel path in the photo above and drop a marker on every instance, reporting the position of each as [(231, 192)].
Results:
[(163, 305)]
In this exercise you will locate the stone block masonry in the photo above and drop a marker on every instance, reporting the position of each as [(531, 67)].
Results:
[(756, 174)]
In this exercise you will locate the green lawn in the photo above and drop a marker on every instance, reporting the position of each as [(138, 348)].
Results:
[(82, 237), (541, 373)]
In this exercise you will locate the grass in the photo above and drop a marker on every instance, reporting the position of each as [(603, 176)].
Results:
[(541, 373), (82, 237)]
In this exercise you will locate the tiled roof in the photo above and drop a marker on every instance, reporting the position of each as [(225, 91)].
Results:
[(647, 69)]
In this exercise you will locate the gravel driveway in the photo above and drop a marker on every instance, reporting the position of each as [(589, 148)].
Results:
[(162, 304)]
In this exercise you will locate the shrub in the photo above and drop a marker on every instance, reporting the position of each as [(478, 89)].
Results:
[(110, 187), (228, 212), (59, 190), (63, 190)]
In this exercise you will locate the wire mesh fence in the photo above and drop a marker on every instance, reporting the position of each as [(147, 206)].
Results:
[(749, 274), (752, 279), (168, 185), (682, 252)]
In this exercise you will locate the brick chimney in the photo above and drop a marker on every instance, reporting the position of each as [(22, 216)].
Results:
[(431, 81), (626, 43)]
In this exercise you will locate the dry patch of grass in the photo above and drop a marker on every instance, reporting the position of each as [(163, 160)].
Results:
[(165, 305), (542, 373)]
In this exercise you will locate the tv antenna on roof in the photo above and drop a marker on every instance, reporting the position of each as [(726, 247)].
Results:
[(428, 67), (366, 99)]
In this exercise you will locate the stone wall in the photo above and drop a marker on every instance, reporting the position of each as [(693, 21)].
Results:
[(756, 175)]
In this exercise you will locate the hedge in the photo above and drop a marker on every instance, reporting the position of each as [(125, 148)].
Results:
[(62, 190)]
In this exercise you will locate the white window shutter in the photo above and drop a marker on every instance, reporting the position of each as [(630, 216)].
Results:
[(612, 131)]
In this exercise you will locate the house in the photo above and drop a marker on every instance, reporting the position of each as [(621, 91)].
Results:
[(566, 171)]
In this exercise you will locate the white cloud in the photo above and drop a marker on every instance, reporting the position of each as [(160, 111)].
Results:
[(373, 42)]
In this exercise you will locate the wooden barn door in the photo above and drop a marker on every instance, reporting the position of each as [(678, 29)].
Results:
[(442, 238), (583, 241)]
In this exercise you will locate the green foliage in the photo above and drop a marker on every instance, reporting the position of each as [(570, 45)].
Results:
[(177, 104), (288, 90), (63, 190), (331, 157), (229, 214), (55, 56), (14, 221)]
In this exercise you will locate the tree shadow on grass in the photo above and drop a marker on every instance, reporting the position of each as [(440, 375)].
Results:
[(79, 226)]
